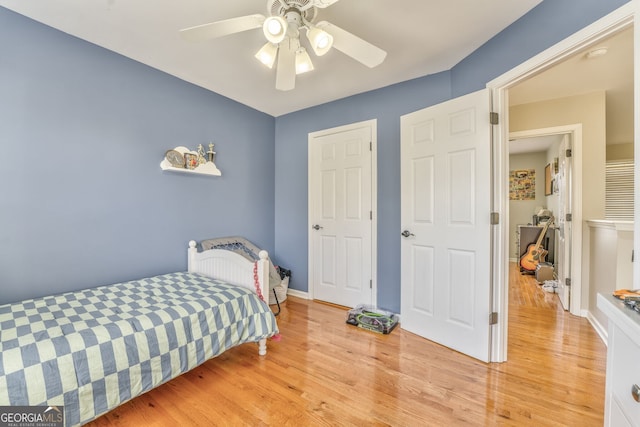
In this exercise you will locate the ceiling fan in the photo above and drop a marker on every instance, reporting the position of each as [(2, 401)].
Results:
[(282, 31)]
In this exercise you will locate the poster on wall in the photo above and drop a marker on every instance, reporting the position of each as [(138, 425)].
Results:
[(522, 184)]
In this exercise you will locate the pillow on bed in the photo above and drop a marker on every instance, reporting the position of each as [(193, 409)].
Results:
[(243, 247)]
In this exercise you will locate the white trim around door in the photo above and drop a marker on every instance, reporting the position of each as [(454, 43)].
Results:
[(312, 185), (614, 22)]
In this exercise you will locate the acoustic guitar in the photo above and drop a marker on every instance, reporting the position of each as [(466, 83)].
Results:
[(535, 253)]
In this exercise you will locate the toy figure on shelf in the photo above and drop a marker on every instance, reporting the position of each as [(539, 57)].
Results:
[(201, 159), (211, 153)]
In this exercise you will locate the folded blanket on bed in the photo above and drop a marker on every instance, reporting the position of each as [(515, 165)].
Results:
[(92, 350)]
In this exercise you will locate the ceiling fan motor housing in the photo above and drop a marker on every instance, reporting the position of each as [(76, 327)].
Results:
[(305, 9), (294, 20)]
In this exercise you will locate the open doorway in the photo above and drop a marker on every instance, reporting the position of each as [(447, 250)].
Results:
[(601, 102), (556, 154), (540, 236), (539, 84)]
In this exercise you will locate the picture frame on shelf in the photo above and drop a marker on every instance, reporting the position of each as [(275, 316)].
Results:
[(191, 161)]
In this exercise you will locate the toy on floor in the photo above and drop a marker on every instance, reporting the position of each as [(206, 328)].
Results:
[(372, 319)]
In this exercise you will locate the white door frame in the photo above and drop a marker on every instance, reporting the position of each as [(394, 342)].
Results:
[(373, 124), (614, 22), (580, 282)]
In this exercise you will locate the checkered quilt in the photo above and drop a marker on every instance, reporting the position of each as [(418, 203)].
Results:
[(92, 350)]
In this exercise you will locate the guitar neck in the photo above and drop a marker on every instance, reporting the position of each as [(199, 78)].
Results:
[(543, 232)]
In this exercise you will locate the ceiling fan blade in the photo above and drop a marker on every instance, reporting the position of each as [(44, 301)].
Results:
[(222, 28), (286, 71), (323, 3), (353, 45)]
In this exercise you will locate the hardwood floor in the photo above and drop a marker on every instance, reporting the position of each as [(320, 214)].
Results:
[(324, 372)]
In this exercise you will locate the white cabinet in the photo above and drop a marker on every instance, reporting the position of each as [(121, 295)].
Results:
[(622, 395)]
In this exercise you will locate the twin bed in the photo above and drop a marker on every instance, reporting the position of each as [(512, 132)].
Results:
[(92, 350)]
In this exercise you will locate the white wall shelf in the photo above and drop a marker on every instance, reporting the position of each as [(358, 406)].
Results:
[(208, 168)]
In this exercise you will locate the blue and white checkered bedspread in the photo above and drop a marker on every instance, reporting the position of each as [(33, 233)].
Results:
[(92, 350)]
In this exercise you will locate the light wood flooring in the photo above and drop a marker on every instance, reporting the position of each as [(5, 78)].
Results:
[(327, 373)]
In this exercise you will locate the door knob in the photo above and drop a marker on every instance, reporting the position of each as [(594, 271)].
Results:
[(407, 233), (316, 227)]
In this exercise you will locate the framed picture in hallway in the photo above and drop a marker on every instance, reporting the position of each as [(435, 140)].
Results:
[(522, 184)]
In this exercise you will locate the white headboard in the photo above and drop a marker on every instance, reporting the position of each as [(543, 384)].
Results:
[(230, 267)]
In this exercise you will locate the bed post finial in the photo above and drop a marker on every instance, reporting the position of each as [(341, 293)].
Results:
[(193, 250), (263, 254)]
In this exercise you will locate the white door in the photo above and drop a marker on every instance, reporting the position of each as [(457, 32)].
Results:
[(563, 251), (445, 216), (340, 215)]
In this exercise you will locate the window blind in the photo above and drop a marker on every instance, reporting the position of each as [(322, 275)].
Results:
[(619, 190)]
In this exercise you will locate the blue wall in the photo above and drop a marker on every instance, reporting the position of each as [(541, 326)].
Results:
[(547, 24), (83, 199), (83, 131), (386, 105), (544, 26)]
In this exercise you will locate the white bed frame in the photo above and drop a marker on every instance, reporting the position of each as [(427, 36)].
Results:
[(233, 268)]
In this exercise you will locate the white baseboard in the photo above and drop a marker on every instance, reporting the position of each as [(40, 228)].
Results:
[(600, 330), (297, 293)]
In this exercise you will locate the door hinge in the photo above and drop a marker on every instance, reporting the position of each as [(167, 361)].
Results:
[(370, 283), (493, 118), (633, 255), (568, 153), (370, 145), (493, 318), (371, 215), (495, 218), (567, 282), (568, 218)]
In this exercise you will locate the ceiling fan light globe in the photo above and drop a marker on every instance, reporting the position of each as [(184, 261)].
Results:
[(320, 40), (274, 29), (303, 61), (267, 54)]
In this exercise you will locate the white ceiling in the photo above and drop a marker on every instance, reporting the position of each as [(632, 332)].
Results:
[(533, 144), (420, 37), (578, 75)]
